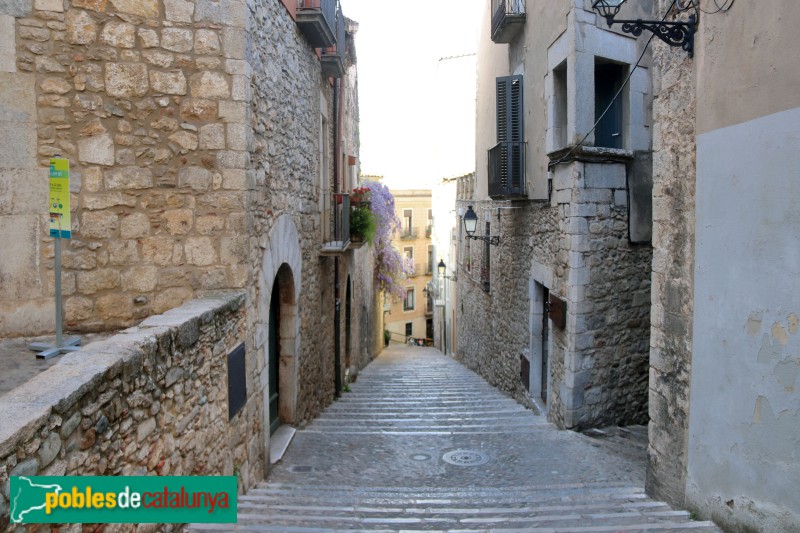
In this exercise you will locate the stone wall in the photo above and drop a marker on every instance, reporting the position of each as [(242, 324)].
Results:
[(285, 117), (673, 270), (608, 300), (151, 400), (577, 247), (492, 327), (148, 102)]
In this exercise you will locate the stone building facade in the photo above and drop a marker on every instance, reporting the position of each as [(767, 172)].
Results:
[(565, 200), (206, 141), (413, 317), (724, 401)]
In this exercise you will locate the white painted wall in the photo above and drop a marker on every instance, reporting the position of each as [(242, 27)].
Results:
[(744, 428)]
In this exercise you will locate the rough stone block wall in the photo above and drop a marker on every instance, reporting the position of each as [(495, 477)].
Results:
[(608, 294), (285, 121), (674, 172), (151, 400), (148, 101), (26, 306), (492, 328), (577, 246)]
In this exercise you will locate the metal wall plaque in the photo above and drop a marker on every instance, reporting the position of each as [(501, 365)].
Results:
[(237, 381), (557, 311)]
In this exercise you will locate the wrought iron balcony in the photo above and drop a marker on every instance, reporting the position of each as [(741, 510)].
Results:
[(333, 56), (508, 17), (317, 20), (507, 170), (408, 234), (336, 225)]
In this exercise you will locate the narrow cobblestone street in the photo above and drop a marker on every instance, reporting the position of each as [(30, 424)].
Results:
[(422, 443)]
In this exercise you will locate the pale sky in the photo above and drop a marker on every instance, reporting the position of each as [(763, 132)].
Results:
[(402, 81)]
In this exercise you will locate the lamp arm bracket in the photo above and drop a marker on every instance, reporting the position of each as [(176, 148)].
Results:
[(674, 33), (493, 240)]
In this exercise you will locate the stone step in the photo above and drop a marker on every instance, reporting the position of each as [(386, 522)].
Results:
[(445, 508), (530, 493), (628, 521), (462, 421)]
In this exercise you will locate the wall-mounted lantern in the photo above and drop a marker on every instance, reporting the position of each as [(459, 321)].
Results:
[(674, 33), (471, 224)]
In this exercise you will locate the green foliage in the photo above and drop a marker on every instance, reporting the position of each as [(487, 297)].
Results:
[(362, 223)]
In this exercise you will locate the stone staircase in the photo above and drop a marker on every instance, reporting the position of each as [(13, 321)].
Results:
[(589, 508), (422, 444)]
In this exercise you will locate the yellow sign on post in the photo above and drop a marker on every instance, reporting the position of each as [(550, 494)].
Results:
[(60, 223)]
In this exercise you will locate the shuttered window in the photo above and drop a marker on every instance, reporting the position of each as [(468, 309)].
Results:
[(509, 109), (506, 160)]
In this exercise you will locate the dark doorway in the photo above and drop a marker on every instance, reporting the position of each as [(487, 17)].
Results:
[(429, 328), (347, 325), (274, 357), (545, 343)]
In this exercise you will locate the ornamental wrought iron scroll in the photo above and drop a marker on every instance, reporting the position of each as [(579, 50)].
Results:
[(673, 33)]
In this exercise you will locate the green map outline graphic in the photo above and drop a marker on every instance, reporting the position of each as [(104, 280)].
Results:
[(17, 516)]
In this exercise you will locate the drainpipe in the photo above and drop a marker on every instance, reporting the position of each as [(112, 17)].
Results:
[(337, 334)]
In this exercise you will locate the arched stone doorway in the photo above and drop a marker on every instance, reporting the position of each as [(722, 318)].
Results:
[(281, 359), (278, 343)]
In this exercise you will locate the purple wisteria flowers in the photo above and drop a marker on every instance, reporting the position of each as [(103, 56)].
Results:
[(391, 267)]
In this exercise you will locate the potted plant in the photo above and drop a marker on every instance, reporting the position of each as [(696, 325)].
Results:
[(387, 336), (360, 196), (362, 224)]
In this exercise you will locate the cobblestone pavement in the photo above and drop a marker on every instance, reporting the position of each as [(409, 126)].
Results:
[(421, 443)]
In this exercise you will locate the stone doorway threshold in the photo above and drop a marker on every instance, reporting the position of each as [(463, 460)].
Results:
[(279, 442)]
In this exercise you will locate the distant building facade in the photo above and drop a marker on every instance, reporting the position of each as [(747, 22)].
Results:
[(413, 316)]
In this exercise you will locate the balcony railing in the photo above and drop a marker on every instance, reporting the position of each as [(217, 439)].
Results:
[(408, 233), (317, 21), (336, 224), (508, 17), (333, 56), (507, 170)]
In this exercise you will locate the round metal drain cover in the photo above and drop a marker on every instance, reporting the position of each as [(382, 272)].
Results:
[(466, 458), (420, 456)]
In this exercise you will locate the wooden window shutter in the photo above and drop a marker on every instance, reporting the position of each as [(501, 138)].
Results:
[(509, 109), (510, 131)]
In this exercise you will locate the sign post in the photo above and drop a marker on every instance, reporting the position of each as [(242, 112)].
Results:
[(60, 228)]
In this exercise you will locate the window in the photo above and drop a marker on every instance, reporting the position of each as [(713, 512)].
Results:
[(560, 92), (324, 181), (429, 226), (507, 158), (608, 79), (408, 251), (409, 329), (407, 221), (408, 303), (429, 269)]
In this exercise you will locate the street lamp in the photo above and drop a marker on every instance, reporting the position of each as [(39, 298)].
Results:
[(471, 224), (441, 268), (674, 33)]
